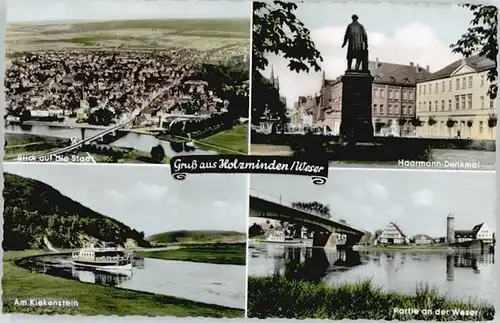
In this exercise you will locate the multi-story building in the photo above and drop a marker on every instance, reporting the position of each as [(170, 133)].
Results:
[(393, 98), (453, 102)]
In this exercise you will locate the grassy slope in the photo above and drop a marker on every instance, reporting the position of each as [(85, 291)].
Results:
[(280, 297), (224, 253), (94, 299), (234, 139), (201, 236)]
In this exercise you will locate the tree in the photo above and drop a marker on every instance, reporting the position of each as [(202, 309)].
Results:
[(157, 154), (401, 121), (469, 125), (492, 122), (313, 207), (431, 123), (277, 30), (255, 230), (450, 123), (481, 38)]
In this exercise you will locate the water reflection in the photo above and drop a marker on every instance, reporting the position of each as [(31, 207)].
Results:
[(131, 140), (457, 275), (202, 282)]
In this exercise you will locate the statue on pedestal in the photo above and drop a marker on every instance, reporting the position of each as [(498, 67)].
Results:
[(357, 41)]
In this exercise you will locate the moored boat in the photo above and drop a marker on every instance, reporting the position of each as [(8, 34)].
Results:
[(109, 257)]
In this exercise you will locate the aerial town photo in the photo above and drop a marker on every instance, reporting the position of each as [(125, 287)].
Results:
[(100, 81), (399, 88), (373, 244), (123, 245)]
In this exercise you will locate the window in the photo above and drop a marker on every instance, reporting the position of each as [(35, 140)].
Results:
[(424, 87), (442, 86), (430, 91), (436, 88), (458, 84), (420, 89), (409, 109), (403, 108), (464, 83), (481, 127), (381, 108), (492, 104), (457, 102), (442, 105), (470, 82), (410, 95), (469, 101), (430, 106), (436, 105), (482, 80), (449, 85), (390, 94), (397, 95), (420, 106), (374, 93), (462, 99), (482, 102), (449, 105), (381, 93), (375, 108)]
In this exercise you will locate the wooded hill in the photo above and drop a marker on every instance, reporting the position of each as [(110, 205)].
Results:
[(33, 209)]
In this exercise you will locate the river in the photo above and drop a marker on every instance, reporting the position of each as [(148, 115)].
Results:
[(202, 282), (458, 276), (139, 142)]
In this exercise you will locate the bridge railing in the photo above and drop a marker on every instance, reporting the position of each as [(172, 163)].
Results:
[(280, 200)]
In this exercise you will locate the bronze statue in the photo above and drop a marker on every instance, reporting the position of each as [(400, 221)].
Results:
[(355, 35)]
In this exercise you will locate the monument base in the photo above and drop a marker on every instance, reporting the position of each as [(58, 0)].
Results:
[(356, 120)]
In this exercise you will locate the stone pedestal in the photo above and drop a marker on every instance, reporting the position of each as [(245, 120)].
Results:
[(356, 122)]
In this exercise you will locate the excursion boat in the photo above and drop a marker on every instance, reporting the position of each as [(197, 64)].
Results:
[(282, 239), (109, 257)]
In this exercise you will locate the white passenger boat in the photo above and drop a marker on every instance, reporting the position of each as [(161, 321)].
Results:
[(283, 239), (108, 257)]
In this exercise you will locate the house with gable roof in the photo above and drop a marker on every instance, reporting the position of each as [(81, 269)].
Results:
[(392, 234)]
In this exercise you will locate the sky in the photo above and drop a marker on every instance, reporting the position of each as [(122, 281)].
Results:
[(396, 33), (47, 10), (418, 201), (147, 198)]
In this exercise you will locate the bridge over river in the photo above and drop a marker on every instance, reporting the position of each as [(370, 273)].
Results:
[(263, 205)]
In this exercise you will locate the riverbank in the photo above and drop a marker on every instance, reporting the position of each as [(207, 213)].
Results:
[(232, 141), (93, 299), (27, 145), (437, 247), (215, 253), (277, 296)]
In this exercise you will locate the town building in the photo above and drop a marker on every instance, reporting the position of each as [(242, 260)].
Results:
[(479, 232), (453, 102), (393, 99), (423, 239), (392, 234)]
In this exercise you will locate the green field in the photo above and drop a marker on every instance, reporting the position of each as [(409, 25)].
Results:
[(205, 35), (230, 141), (93, 299), (277, 296), (199, 236), (216, 253)]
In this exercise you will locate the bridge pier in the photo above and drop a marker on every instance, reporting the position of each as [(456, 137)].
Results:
[(298, 231), (450, 268), (325, 239), (352, 240), (82, 131)]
